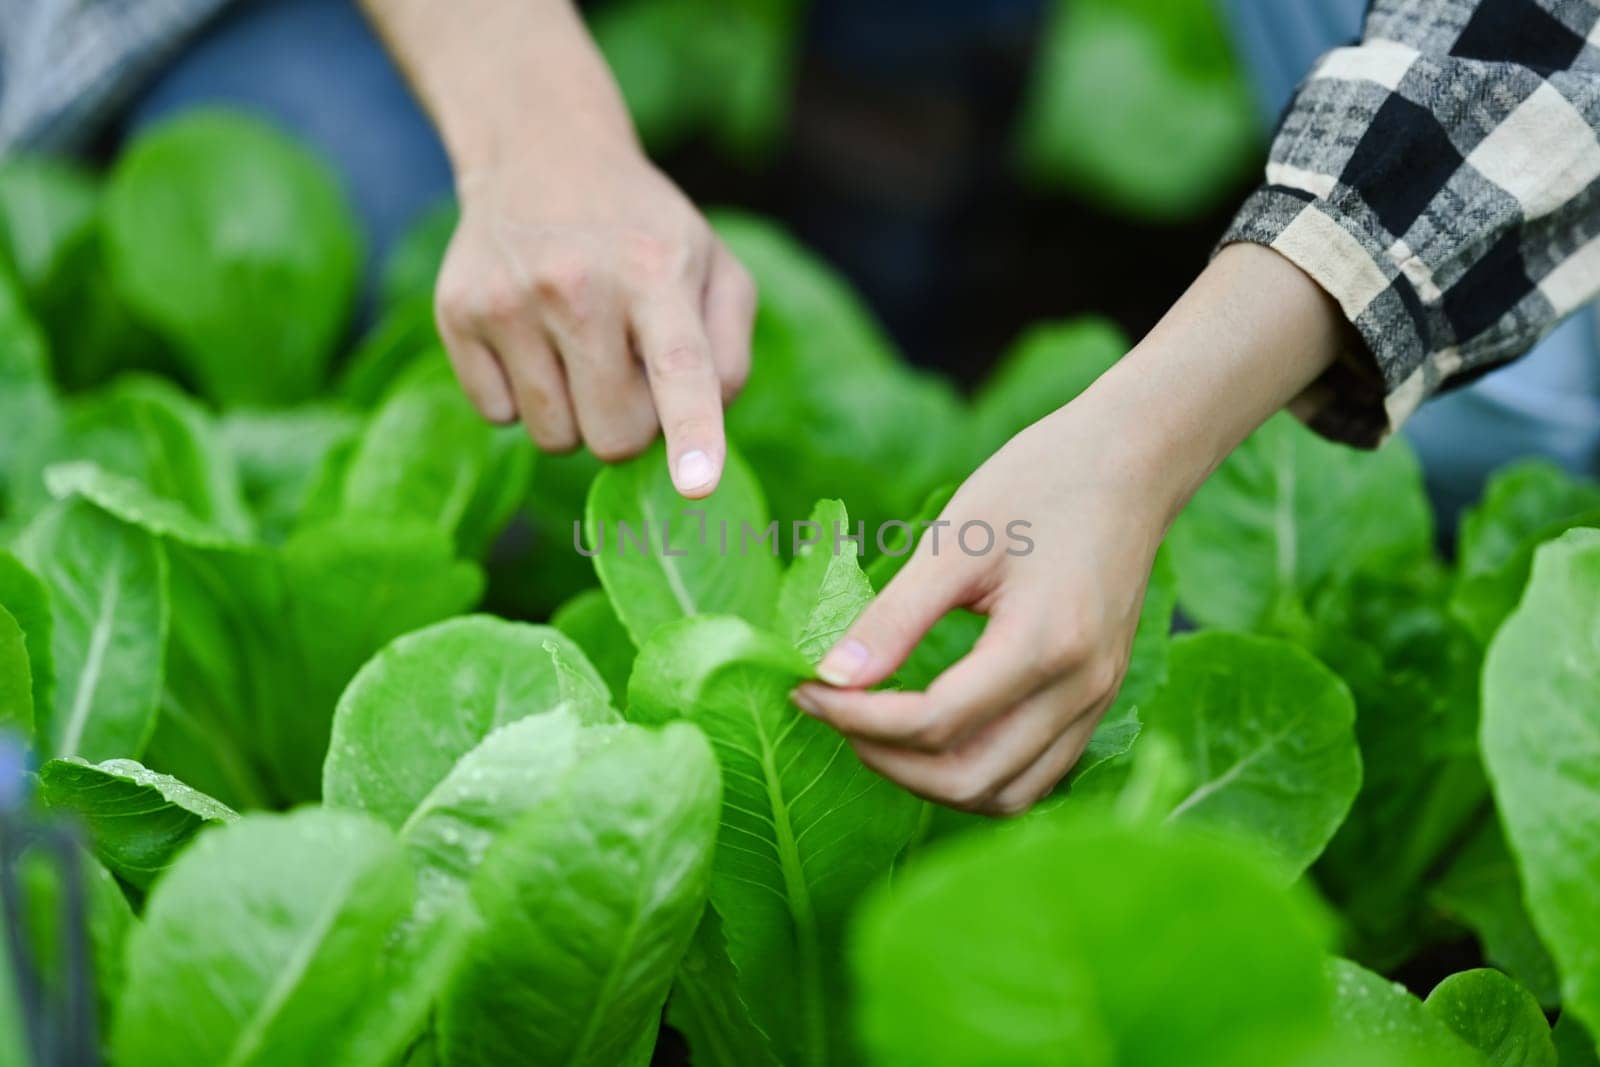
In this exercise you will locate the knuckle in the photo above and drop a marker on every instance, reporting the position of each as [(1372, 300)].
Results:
[(541, 411), (651, 258), (1068, 650), (607, 450), (680, 359), (556, 441), (1007, 806), (564, 283), (452, 309), (934, 733), (483, 403), (1102, 675), (498, 304), (614, 444), (968, 788)]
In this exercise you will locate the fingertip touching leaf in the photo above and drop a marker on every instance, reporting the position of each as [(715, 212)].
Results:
[(661, 557)]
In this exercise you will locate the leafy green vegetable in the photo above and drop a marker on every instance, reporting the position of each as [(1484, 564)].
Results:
[(1414, 673), (589, 902), (280, 456), (1386, 1018), (137, 819), (1484, 599), (402, 338), (259, 946), (413, 264), (662, 558), (1288, 513), (1050, 364), (468, 489), (1496, 1016), (592, 623), (47, 214), (50, 240), (14, 1025), (28, 407), (1147, 671), (108, 588), (824, 589), (264, 640), (237, 245), (686, 66), (1574, 1046), (1072, 939), (707, 1007), (805, 826), (147, 430), (509, 772), (1481, 889), (1541, 741), (1139, 105), (26, 600), (1267, 734), (429, 698), (257, 607), (551, 570), (16, 679), (1519, 502), (352, 588), (136, 504)]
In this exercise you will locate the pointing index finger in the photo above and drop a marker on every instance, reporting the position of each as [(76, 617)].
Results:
[(671, 341)]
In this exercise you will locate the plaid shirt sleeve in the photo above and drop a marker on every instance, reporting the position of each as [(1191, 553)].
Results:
[(1441, 180)]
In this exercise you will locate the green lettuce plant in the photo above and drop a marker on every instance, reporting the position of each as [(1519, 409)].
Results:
[(325, 815)]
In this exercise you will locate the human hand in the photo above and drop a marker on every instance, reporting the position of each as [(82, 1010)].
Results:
[(585, 294), (995, 732), (1100, 481), (581, 290)]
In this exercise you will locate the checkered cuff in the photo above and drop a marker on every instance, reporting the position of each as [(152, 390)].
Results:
[(1442, 182), (1345, 256)]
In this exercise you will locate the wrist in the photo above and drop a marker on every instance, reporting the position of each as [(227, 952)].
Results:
[(508, 83), (1250, 335)]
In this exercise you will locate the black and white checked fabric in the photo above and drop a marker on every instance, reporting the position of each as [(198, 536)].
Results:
[(1441, 180), (67, 64)]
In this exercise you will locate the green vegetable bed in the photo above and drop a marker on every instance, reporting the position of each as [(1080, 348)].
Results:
[(372, 766)]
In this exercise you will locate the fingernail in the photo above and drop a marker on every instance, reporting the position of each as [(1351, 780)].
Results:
[(805, 703), (694, 470), (843, 662)]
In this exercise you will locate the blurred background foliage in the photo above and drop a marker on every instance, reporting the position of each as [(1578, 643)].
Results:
[(1059, 156)]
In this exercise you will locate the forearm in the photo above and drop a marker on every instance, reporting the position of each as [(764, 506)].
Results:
[(500, 77), (1249, 336)]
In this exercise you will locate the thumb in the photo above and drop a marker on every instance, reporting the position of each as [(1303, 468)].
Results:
[(884, 634)]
